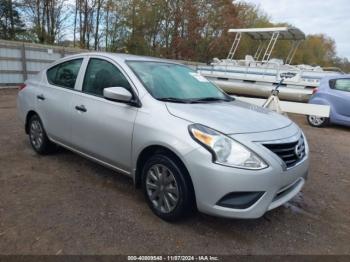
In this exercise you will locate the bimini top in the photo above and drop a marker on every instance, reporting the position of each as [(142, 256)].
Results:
[(285, 33)]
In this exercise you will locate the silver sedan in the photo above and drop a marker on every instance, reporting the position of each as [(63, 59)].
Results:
[(188, 145)]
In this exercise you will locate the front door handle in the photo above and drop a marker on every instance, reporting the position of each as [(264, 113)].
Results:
[(81, 108), (40, 97)]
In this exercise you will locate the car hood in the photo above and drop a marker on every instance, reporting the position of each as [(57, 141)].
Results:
[(230, 117)]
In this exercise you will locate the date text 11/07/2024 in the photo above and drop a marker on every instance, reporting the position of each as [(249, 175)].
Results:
[(173, 258)]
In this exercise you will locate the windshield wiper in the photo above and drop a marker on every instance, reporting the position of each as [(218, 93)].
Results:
[(211, 99), (195, 100), (174, 100)]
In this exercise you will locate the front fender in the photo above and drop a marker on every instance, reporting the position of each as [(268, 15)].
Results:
[(164, 130)]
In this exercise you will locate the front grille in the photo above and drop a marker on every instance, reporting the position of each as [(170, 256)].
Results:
[(291, 153)]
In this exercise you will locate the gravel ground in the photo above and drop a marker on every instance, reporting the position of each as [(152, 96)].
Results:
[(65, 204)]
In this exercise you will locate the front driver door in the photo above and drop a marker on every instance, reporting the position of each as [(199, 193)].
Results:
[(102, 128)]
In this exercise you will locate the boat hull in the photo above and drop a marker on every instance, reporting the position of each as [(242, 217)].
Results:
[(262, 90), (260, 81)]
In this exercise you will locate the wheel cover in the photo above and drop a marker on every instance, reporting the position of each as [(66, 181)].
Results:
[(36, 134), (317, 121), (162, 188)]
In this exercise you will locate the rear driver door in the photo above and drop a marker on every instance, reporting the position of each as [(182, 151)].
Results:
[(54, 98)]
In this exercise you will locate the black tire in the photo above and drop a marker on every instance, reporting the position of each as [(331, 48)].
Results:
[(185, 201), (317, 121), (40, 142)]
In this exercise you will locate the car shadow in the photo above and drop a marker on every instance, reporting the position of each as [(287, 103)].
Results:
[(338, 127)]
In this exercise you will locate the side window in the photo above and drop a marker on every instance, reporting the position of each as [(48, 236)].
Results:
[(101, 74), (64, 74), (342, 85), (51, 74)]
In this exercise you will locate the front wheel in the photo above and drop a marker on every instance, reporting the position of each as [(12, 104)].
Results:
[(167, 188), (317, 121)]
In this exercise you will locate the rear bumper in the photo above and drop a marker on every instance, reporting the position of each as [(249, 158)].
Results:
[(20, 108)]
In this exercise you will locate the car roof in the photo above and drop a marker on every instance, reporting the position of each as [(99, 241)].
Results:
[(120, 57), (325, 80)]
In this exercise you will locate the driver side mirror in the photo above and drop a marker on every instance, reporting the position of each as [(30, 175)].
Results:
[(119, 94)]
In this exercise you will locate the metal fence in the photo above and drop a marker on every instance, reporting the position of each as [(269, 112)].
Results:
[(20, 61)]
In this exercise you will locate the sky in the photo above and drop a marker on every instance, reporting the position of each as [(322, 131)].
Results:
[(330, 17)]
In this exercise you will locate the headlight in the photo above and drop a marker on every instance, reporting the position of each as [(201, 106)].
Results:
[(225, 150)]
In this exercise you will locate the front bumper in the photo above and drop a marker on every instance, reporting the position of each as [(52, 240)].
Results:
[(212, 182)]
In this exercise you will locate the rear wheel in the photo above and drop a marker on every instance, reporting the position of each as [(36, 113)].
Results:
[(317, 121), (38, 138), (167, 188)]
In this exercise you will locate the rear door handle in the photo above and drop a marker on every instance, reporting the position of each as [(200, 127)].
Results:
[(40, 97), (81, 108)]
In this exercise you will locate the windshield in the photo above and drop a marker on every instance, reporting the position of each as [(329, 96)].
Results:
[(176, 83)]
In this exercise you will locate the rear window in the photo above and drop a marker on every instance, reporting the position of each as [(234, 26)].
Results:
[(64, 74)]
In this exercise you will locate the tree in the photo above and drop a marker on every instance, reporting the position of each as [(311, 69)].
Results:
[(11, 25), (47, 18), (179, 29), (316, 50), (342, 63), (221, 16), (99, 5)]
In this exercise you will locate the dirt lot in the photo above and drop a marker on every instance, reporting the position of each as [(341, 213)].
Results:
[(65, 204)]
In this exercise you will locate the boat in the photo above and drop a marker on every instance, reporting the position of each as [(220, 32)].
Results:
[(258, 74)]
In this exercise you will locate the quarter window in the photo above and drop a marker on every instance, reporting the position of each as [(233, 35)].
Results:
[(64, 74), (101, 74), (342, 85)]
